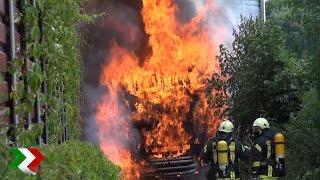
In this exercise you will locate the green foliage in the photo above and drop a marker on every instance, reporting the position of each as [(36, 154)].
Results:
[(301, 25), (5, 159), (303, 139), (258, 79), (71, 160), (60, 47), (50, 34), (271, 66), (24, 100)]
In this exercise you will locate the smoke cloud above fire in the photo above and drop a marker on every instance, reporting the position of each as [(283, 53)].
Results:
[(146, 68)]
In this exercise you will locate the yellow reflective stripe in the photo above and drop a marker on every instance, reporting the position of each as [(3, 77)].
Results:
[(256, 164), (205, 149), (267, 178), (215, 156), (263, 177), (258, 147), (214, 153), (227, 179), (232, 175), (270, 171), (268, 149), (232, 148), (245, 148)]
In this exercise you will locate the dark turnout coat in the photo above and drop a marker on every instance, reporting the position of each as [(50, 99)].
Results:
[(210, 151), (262, 154)]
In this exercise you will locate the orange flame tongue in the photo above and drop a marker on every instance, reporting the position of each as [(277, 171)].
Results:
[(169, 136), (181, 50), (181, 61)]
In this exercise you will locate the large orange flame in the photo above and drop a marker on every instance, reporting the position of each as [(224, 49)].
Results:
[(181, 62)]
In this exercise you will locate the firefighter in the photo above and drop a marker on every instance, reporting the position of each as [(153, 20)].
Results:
[(223, 153), (267, 151)]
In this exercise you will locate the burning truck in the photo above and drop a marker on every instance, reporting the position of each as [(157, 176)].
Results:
[(159, 110)]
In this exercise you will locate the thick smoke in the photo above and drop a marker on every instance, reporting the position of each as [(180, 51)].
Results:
[(117, 17), (227, 14)]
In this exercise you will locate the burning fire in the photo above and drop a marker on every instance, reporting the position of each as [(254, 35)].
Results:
[(169, 87)]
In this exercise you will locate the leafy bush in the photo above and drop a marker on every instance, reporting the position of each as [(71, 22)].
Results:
[(71, 160), (60, 42), (300, 22), (51, 41), (303, 136), (259, 79)]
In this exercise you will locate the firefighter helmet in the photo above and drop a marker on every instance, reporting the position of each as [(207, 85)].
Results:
[(226, 126), (262, 123)]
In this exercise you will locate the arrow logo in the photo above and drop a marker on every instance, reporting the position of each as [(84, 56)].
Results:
[(26, 159)]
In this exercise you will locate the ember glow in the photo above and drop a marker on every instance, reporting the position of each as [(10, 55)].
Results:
[(163, 86)]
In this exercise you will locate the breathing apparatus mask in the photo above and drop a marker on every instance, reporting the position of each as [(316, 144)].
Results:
[(256, 132)]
